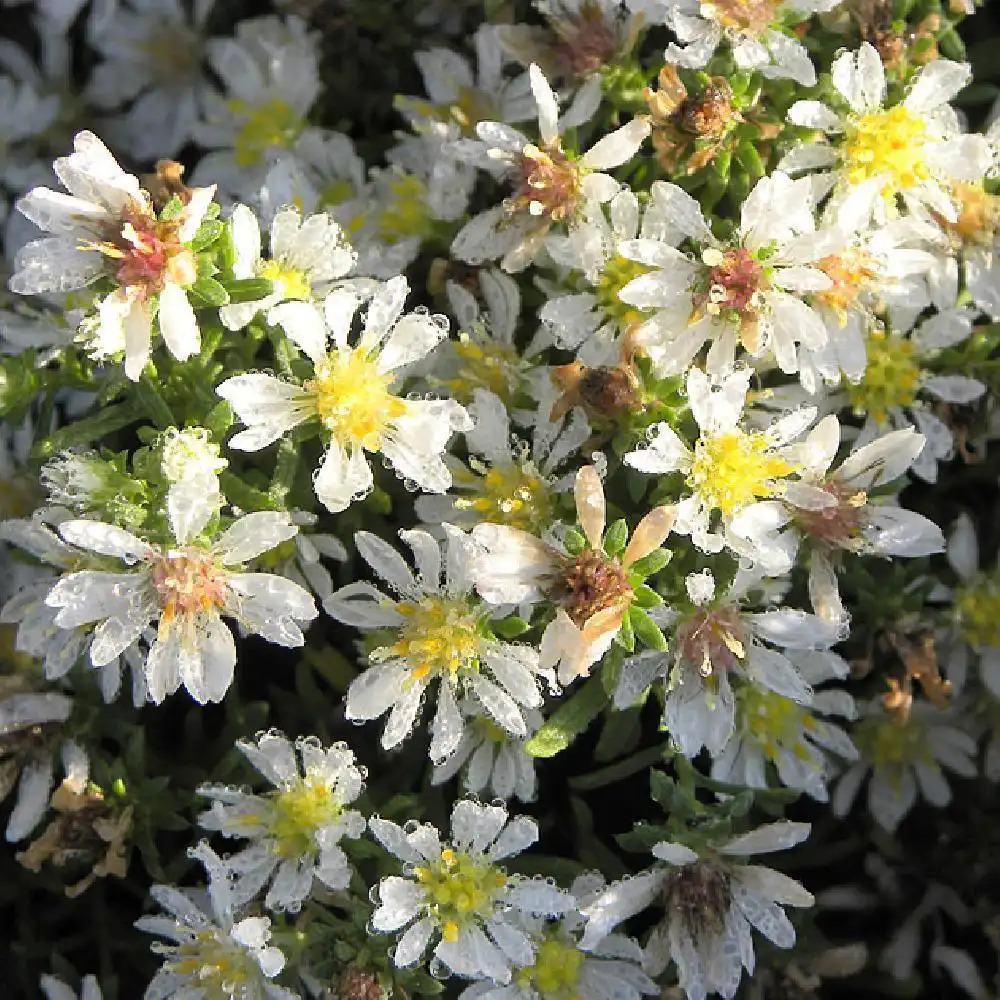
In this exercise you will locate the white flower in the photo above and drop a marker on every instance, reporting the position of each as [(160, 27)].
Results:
[(796, 739), (30, 723), (351, 393), (185, 587), (593, 589), (710, 904), (852, 522), (754, 32), (211, 949), (914, 150), (56, 989), (551, 187), (307, 257), (106, 228), (295, 829), (190, 453), (889, 392), (730, 470), (438, 632), (300, 558), (457, 892), (152, 52), (748, 291), (562, 968), (458, 98), (270, 72), (904, 755), (714, 641), (491, 758), (507, 481)]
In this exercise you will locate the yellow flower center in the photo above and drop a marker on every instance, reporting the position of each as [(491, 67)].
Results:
[(886, 741), (889, 145), (289, 282), (336, 192), (217, 965), (891, 378), (407, 214), (483, 363), (852, 273), (734, 469), (978, 214), (774, 722), (617, 273), (513, 493), (555, 971), (189, 582), (750, 16), (268, 125), (298, 812), (459, 889), (439, 639), (353, 400), (977, 606)]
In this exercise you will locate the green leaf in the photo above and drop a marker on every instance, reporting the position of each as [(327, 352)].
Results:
[(626, 635), (248, 289), (646, 630), (571, 719), (207, 293), (91, 429), (749, 159), (574, 541), (616, 537), (208, 232), (172, 209), (646, 597), (219, 419), (510, 628)]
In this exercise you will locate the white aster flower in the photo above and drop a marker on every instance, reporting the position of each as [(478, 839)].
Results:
[(186, 587), (563, 969), (914, 150), (491, 758), (437, 631), (153, 55), (211, 952), (56, 989), (593, 591), (351, 394), (296, 829), (270, 73), (905, 755), (711, 903), (30, 725), (891, 393), (507, 480), (457, 893), (798, 740), (458, 97), (748, 291), (306, 257), (551, 188), (730, 471), (716, 641), (300, 558), (106, 228), (755, 33)]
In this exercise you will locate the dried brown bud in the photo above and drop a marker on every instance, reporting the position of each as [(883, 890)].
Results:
[(166, 183), (359, 984)]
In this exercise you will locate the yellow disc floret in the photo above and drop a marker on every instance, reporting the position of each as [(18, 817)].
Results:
[(459, 889), (555, 971), (266, 126), (734, 469), (889, 145), (439, 639), (514, 493), (222, 969), (407, 214), (298, 812), (891, 378), (353, 399), (289, 282), (892, 741), (775, 723), (977, 606), (484, 363), (616, 274)]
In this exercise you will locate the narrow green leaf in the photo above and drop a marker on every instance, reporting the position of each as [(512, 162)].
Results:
[(646, 630), (247, 289), (208, 232), (510, 628), (91, 429), (616, 537), (207, 293), (571, 719)]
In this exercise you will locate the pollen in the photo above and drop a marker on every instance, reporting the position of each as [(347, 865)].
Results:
[(459, 889), (889, 145), (353, 400), (484, 363), (616, 274), (221, 967), (440, 638), (734, 469), (266, 126), (977, 607), (289, 282), (891, 378), (188, 582), (513, 493), (556, 970), (298, 812), (852, 274)]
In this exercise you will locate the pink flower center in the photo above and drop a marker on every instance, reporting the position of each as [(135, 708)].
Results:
[(712, 639), (189, 582)]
